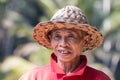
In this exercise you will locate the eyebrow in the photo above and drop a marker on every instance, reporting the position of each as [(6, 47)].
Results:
[(69, 32), (56, 32)]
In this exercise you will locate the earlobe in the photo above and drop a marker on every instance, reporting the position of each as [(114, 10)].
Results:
[(49, 37), (51, 47)]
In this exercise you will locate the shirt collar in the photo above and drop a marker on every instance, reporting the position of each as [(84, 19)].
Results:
[(79, 71)]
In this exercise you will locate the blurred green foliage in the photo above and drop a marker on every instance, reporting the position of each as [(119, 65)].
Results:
[(41, 57), (13, 66), (19, 52)]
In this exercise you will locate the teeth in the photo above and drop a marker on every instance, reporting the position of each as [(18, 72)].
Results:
[(63, 52)]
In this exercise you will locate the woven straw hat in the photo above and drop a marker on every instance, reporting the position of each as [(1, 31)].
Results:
[(69, 17)]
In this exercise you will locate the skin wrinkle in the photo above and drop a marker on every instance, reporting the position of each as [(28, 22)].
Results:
[(60, 41), (81, 34)]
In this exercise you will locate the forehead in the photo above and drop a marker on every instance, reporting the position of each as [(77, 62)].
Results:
[(65, 31)]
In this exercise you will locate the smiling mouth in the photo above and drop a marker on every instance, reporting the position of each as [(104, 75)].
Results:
[(63, 52)]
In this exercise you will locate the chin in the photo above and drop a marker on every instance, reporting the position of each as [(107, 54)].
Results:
[(65, 60)]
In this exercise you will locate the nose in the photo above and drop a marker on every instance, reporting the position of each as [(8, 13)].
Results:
[(63, 42)]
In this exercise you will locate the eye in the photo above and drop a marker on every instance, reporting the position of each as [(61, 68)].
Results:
[(56, 37), (72, 38)]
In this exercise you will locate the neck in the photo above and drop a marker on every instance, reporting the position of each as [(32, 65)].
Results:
[(68, 67)]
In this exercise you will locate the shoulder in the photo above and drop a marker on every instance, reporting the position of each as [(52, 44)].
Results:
[(42, 68), (39, 69), (96, 74), (33, 73)]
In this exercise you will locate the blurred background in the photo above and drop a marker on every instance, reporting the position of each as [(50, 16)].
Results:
[(19, 52)]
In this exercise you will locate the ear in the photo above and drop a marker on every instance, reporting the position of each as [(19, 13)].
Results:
[(49, 36), (86, 40)]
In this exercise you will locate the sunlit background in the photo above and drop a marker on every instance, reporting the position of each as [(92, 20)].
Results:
[(19, 52)]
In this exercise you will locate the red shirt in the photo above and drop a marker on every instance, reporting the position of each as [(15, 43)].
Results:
[(54, 72)]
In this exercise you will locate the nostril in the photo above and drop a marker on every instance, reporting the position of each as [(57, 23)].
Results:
[(63, 43)]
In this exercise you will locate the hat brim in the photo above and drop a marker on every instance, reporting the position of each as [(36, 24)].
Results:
[(41, 30)]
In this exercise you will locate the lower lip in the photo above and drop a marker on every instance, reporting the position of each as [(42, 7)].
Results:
[(64, 55)]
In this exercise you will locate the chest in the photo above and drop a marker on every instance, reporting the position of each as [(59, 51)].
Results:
[(53, 76)]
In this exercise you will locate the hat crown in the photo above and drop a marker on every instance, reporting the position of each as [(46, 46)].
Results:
[(69, 14)]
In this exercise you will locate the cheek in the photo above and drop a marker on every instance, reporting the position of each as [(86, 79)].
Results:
[(53, 45), (77, 48)]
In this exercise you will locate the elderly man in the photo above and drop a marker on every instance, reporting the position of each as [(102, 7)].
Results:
[(69, 35)]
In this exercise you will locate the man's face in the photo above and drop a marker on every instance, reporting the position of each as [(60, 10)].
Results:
[(66, 44)]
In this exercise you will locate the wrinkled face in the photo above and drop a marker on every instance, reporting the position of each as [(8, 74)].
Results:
[(66, 44)]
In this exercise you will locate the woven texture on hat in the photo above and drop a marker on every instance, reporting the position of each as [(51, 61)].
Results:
[(69, 17), (70, 14)]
